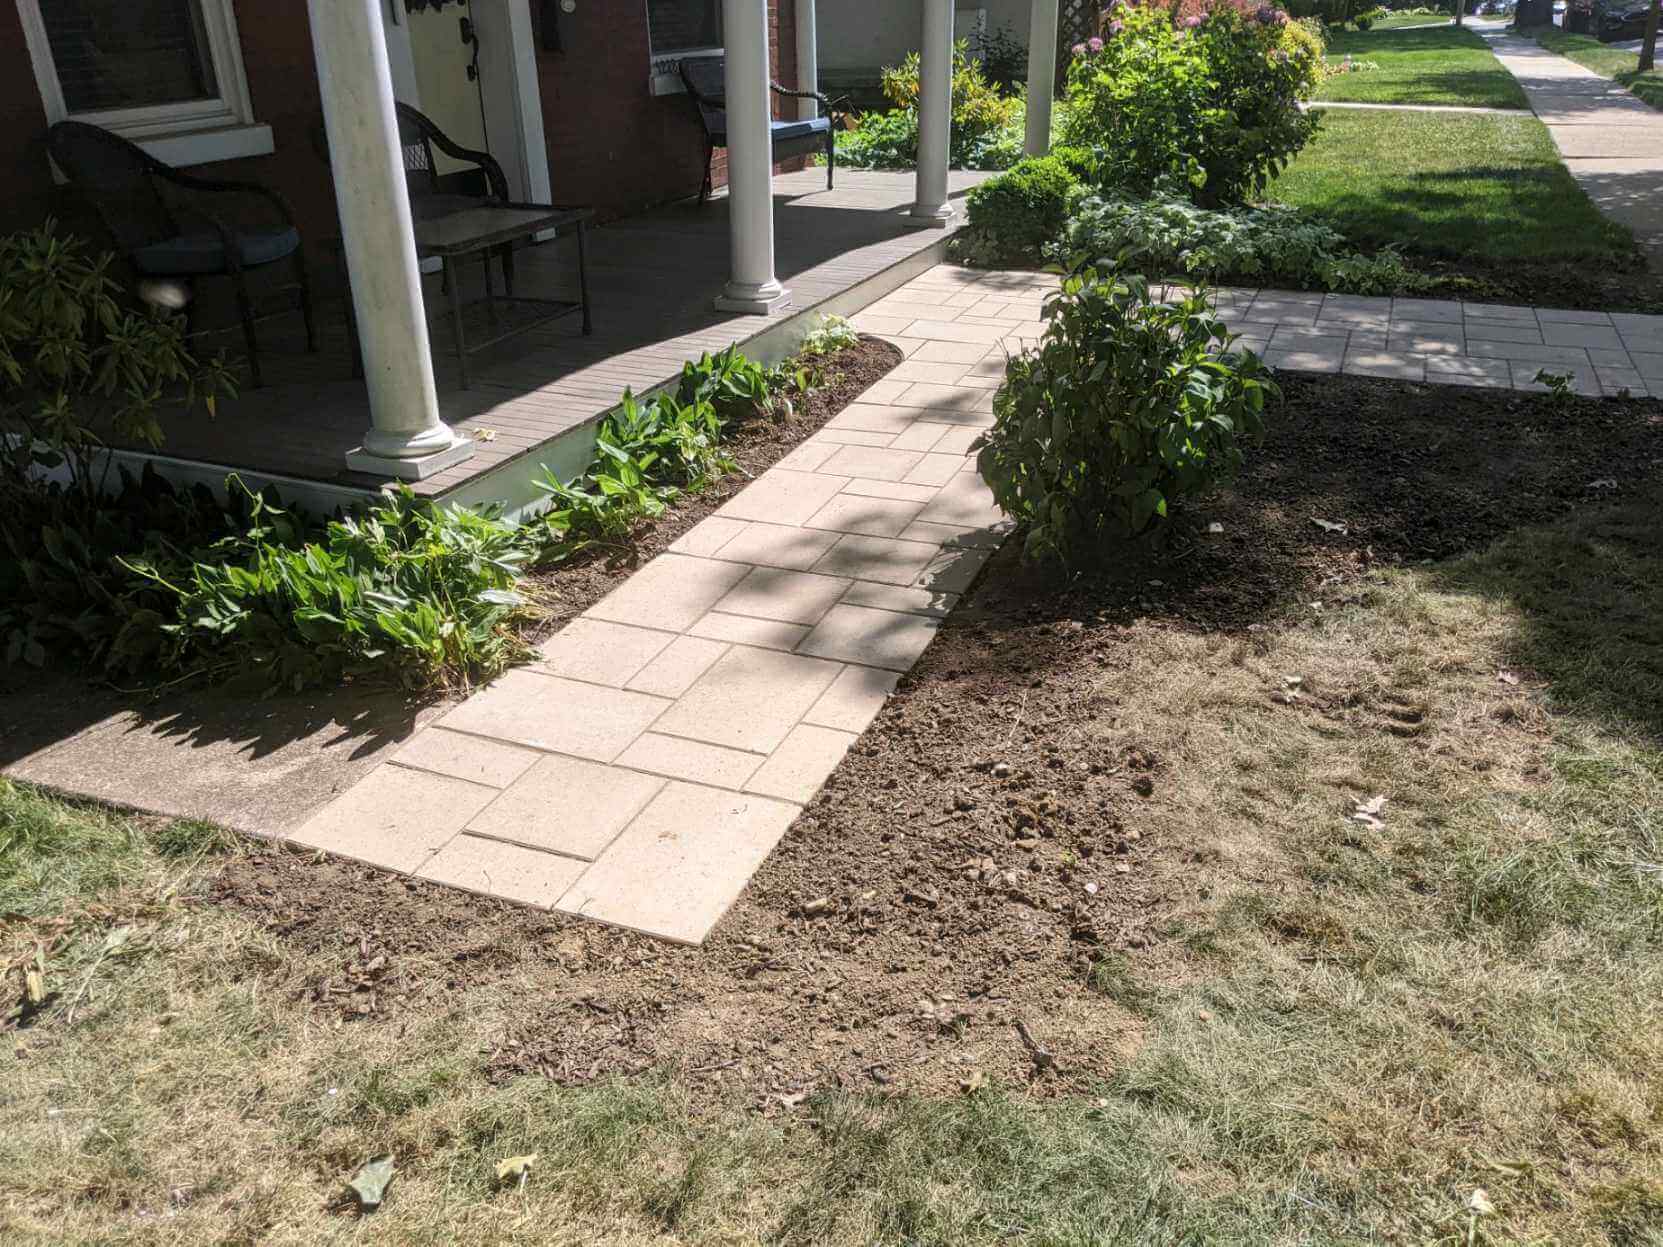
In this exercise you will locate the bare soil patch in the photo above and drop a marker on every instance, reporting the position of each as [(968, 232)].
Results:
[(988, 851)]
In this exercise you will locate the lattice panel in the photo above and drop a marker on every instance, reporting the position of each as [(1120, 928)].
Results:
[(1076, 22)]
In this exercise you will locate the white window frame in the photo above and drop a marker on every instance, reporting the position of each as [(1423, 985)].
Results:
[(664, 76), (188, 132)]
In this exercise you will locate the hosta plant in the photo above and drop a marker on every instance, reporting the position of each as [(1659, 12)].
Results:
[(1127, 406)]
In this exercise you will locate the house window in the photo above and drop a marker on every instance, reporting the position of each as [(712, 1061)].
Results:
[(167, 74), (683, 25)]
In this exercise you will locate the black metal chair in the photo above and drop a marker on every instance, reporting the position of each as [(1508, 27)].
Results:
[(418, 136), (160, 222), (705, 78)]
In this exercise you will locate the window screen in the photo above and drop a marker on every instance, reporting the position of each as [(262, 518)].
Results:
[(129, 53), (677, 25)]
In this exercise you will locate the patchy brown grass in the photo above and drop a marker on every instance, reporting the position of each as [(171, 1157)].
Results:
[(1287, 1025)]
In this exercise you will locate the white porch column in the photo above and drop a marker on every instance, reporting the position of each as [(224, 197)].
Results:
[(406, 438), (1042, 76), (935, 115), (753, 287), (808, 59)]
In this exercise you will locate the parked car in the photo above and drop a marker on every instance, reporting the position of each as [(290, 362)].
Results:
[(1618, 21)]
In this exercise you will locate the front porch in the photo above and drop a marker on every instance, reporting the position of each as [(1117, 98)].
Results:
[(532, 398)]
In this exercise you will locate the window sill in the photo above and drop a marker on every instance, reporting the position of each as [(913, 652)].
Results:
[(666, 70), (201, 147)]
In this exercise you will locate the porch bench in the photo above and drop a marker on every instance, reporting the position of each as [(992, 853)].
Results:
[(705, 78)]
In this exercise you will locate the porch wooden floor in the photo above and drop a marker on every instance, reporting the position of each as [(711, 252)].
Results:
[(652, 280)]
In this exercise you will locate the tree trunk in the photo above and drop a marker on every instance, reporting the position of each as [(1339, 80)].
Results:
[(1460, 11), (1648, 49)]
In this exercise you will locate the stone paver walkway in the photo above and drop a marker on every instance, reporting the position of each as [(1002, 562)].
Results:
[(645, 766), (1611, 141), (1448, 342)]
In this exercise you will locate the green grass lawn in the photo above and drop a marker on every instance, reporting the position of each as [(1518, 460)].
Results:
[(1608, 62), (1349, 1029), (1396, 21), (1435, 65), (1457, 186)]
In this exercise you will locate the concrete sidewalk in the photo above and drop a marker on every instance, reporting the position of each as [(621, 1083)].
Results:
[(1611, 142)]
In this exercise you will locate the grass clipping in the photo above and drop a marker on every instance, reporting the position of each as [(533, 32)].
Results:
[(1406, 987)]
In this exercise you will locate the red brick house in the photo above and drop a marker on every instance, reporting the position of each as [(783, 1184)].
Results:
[(600, 82), (580, 101)]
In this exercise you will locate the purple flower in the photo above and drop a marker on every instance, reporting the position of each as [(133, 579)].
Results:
[(1096, 44), (1079, 49), (1192, 22), (1265, 15), (1114, 29)]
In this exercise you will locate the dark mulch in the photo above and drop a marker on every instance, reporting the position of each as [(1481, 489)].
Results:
[(1561, 284), (934, 896)]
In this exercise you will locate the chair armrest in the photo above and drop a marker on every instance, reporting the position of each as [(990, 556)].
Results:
[(832, 108), (215, 186), (486, 162)]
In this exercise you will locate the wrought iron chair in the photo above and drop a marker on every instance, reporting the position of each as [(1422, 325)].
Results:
[(705, 78), (160, 220), (418, 136)]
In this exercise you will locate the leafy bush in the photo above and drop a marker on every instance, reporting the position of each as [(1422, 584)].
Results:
[(78, 365), (1127, 406), (1016, 213), (422, 592), (1166, 235), (1207, 96), (1004, 57), (159, 579), (986, 126)]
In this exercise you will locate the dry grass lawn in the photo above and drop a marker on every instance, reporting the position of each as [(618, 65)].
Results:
[(1446, 1027)]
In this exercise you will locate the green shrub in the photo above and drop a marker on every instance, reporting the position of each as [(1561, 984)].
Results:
[(424, 593), (986, 126), (1210, 99), (1127, 406), (78, 366), (1016, 213), (1168, 236)]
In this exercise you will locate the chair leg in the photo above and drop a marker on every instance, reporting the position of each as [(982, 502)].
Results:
[(246, 310), (706, 189), (304, 282), (508, 269), (831, 158), (583, 281)]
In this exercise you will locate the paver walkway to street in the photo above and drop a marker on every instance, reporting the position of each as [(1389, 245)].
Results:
[(644, 766), (1448, 342), (1611, 141)]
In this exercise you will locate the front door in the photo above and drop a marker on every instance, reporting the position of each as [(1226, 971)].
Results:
[(481, 90)]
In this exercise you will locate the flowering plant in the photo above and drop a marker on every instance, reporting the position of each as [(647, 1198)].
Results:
[(1207, 91)]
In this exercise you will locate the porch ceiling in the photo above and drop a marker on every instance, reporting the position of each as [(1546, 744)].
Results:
[(650, 282)]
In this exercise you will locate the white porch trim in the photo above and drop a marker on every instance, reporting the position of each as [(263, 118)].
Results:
[(1042, 77), (406, 437), (935, 115), (808, 58), (752, 288)]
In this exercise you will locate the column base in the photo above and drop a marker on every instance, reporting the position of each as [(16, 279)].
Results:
[(920, 217), (753, 300), (415, 468)]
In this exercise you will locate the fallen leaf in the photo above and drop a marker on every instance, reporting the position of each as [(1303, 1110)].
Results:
[(1330, 526), (1215, 529), (1605, 482), (974, 1081), (34, 984), (1506, 677), (485, 435), (792, 1100), (1374, 806), (1480, 1202), (370, 1183), (516, 1168)]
